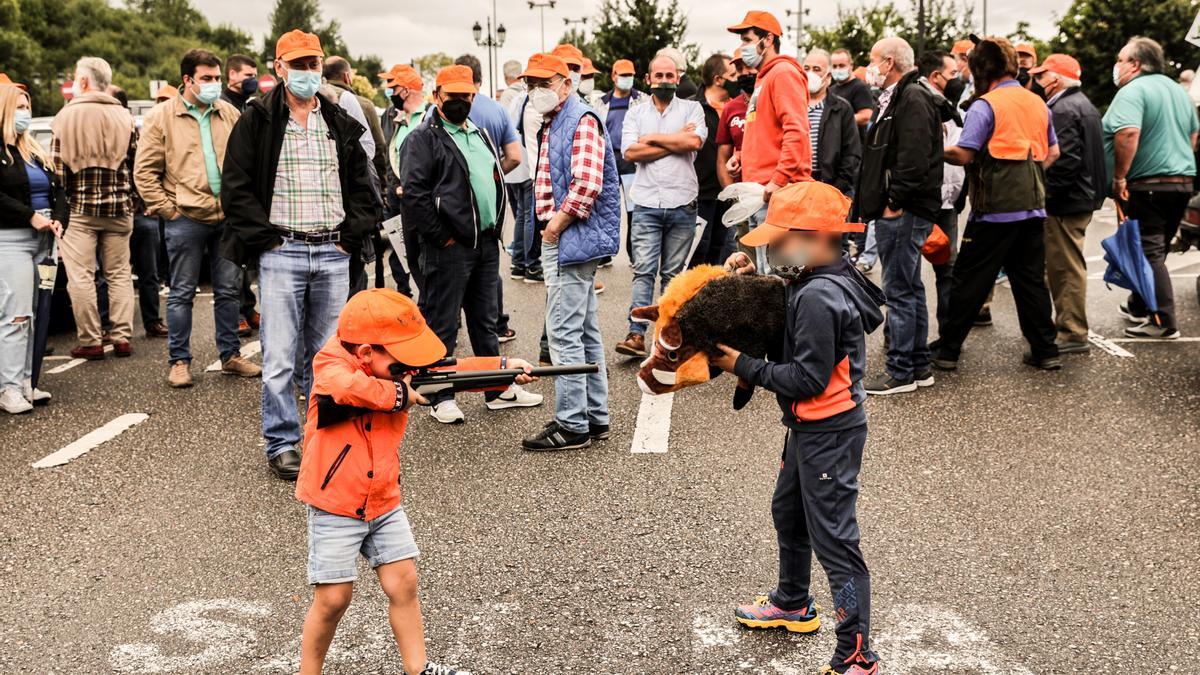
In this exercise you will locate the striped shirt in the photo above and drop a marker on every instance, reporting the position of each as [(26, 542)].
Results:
[(308, 189), (814, 132)]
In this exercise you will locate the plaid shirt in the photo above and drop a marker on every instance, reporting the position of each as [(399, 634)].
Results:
[(308, 189), (96, 191), (587, 172)]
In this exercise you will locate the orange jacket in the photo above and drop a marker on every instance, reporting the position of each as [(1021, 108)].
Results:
[(1021, 122), (775, 146), (353, 468)]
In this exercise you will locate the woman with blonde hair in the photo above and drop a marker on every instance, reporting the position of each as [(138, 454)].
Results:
[(33, 209)]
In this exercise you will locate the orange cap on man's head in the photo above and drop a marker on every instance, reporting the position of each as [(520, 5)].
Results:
[(546, 66), (5, 80), (764, 21), (569, 53), (456, 80), (624, 67), (166, 93), (1059, 64), (297, 44), (962, 48), (1027, 49), (403, 75), (807, 206), (588, 68), (381, 316)]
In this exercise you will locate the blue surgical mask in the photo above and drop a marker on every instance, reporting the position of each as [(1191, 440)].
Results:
[(624, 82), (840, 74), (750, 55), (249, 85), (303, 83), (22, 120), (209, 92)]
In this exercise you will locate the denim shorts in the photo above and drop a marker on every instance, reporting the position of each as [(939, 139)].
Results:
[(334, 543)]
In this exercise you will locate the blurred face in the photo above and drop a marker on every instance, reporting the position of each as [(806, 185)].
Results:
[(964, 71), (236, 76), (662, 71), (940, 78), (743, 69), (1026, 61), (309, 63), (802, 247), (840, 61), (818, 66), (377, 361)]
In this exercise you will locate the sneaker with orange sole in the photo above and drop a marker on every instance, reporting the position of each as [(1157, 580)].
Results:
[(762, 613)]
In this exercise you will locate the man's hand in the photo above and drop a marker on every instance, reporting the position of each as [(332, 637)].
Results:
[(525, 366), (1120, 189), (689, 127), (734, 165), (769, 189), (554, 228), (414, 396), (42, 223), (889, 213), (739, 263), (727, 359)]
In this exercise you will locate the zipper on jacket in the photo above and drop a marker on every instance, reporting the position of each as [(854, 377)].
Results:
[(334, 467)]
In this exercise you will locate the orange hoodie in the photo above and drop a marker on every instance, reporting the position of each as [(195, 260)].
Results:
[(776, 146)]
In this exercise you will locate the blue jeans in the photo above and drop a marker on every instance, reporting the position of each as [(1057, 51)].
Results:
[(520, 197), (187, 243), (870, 251), (760, 253), (660, 240), (573, 330), (143, 253), (301, 291), (900, 240), (18, 290)]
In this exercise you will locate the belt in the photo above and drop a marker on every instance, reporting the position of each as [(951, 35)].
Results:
[(318, 237), (1156, 181)]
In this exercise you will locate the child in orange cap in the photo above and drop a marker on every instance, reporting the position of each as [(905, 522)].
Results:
[(816, 378), (350, 472)]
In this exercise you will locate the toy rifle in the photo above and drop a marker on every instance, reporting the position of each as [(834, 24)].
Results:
[(436, 379)]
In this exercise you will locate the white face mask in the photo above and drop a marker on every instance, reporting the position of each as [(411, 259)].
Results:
[(576, 78), (624, 82), (815, 82), (543, 100), (1117, 74), (587, 86), (750, 55), (76, 89), (874, 77), (840, 74)]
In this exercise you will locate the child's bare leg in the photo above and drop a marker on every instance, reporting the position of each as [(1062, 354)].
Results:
[(399, 582), (329, 604)]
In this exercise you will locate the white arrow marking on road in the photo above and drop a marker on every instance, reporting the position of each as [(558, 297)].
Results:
[(653, 429), (222, 640), (1108, 345), (249, 349), (91, 440)]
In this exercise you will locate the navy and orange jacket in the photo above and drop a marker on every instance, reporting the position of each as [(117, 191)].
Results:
[(353, 468), (817, 377)]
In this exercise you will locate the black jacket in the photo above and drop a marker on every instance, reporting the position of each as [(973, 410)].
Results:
[(1076, 183), (248, 178), (433, 173), (902, 158), (839, 149), (15, 208)]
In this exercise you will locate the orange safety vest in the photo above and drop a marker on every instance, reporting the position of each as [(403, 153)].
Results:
[(1021, 122)]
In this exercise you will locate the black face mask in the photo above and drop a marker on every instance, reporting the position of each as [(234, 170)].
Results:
[(1037, 88), (398, 101), (1023, 77), (746, 83), (664, 91), (456, 110), (732, 88)]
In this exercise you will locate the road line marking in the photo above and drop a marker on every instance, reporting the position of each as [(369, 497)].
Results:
[(653, 430), (1108, 345), (249, 349), (1094, 258), (1173, 276), (1160, 340), (91, 440), (72, 363), (56, 357)]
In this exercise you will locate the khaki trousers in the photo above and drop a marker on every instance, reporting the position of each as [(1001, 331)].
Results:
[(1066, 274), (85, 236)]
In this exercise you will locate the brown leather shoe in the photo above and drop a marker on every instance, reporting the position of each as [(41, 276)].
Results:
[(599, 286), (180, 376), (93, 353), (244, 328), (156, 329), (236, 365), (122, 348), (633, 345), (255, 320)]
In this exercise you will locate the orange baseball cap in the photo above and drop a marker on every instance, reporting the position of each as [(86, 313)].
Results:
[(624, 67), (297, 44), (809, 205), (569, 53), (456, 80), (166, 93), (1027, 49), (1060, 64), (962, 47), (403, 75), (588, 68), (4, 80), (761, 20), (381, 316), (545, 66), (736, 57)]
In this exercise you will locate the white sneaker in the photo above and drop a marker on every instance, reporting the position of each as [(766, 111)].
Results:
[(1149, 330), (447, 412), (515, 397), (13, 403), (35, 396)]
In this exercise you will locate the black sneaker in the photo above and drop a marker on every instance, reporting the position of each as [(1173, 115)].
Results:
[(984, 318), (1073, 347), (940, 358), (553, 437), (1130, 316), (924, 378), (1045, 363), (516, 272), (884, 385), (544, 359), (599, 432), (533, 276)]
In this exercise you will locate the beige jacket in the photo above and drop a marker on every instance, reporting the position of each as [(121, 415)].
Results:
[(169, 170), (93, 130)]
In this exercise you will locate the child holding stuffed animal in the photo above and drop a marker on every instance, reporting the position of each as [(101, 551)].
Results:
[(817, 380)]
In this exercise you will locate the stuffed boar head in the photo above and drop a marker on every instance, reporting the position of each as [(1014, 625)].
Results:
[(701, 308)]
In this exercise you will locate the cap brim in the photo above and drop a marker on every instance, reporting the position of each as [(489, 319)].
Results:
[(459, 88), (299, 54), (740, 28), (423, 349), (763, 235), (626, 72), (1038, 69), (541, 73)]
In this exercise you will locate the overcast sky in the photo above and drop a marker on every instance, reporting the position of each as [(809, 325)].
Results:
[(399, 31)]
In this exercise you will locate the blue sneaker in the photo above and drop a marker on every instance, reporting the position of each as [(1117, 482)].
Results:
[(762, 613)]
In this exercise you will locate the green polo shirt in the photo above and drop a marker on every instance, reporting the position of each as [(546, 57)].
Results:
[(404, 126), (1161, 110), (206, 145), (481, 168)]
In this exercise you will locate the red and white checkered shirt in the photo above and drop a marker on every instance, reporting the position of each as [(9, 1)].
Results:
[(587, 172)]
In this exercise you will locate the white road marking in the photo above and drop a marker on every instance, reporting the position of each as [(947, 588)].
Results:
[(249, 349), (222, 640), (1108, 345), (1185, 275), (653, 430), (56, 357), (929, 638), (91, 440), (73, 362), (1158, 340)]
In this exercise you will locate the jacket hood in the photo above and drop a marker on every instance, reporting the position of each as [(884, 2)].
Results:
[(773, 63), (866, 296)]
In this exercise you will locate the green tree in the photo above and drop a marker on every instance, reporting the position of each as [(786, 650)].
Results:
[(304, 15), (636, 30), (859, 28), (428, 64), (1093, 31)]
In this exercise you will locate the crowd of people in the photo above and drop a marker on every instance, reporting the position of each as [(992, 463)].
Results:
[(292, 188)]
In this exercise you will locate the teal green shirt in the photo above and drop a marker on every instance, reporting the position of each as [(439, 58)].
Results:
[(1162, 110), (206, 144), (404, 125), (481, 167)]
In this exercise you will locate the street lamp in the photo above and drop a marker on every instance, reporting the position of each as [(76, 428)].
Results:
[(493, 42), (542, 5), (800, 13)]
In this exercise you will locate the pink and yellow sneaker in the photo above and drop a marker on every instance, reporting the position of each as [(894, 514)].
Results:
[(764, 614)]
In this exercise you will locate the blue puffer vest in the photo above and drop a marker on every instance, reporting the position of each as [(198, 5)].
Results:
[(600, 234)]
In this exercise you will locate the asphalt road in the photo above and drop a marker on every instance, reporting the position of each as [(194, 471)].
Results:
[(1015, 521)]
